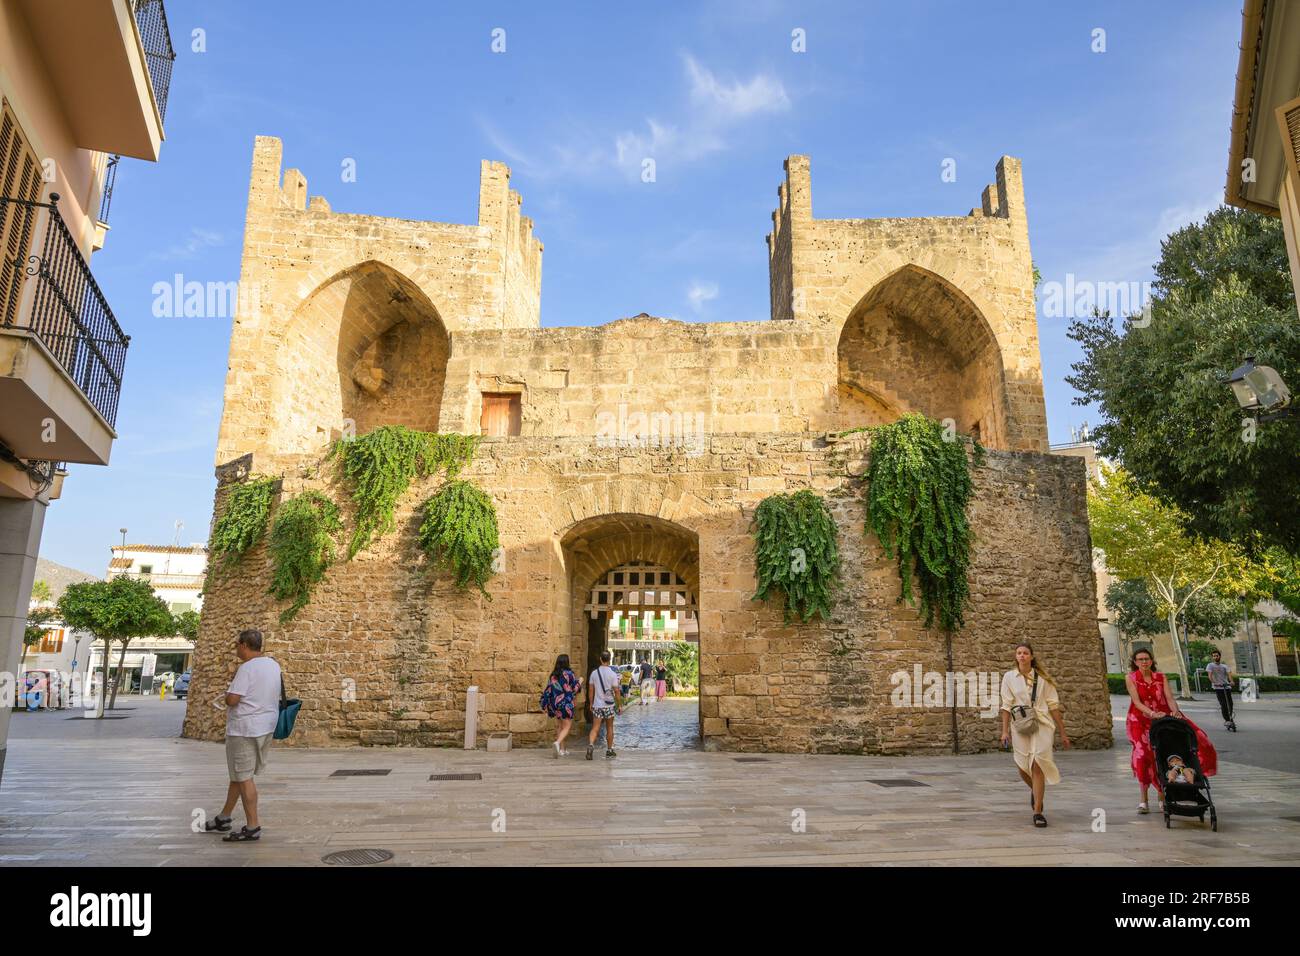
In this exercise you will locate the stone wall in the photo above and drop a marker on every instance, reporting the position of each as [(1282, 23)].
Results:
[(409, 645)]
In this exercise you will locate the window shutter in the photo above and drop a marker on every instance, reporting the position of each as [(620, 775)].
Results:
[(19, 179), (1288, 121)]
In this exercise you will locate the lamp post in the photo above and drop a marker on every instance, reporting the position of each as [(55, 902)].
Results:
[(1260, 390)]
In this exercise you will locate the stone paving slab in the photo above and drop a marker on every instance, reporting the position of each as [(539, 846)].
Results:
[(104, 803)]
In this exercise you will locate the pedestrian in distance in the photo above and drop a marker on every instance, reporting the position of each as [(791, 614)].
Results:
[(252, 703), (1221, 683), (1031, 716), (647, 683)]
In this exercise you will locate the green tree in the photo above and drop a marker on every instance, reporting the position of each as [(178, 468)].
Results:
[(117, 610), (1222, 292), (186, 625), (1198, 652), (1144, 539), (41, 593), (1207, 614), (682, 662), (34, 631)]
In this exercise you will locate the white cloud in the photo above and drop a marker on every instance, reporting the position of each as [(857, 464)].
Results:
[(191, 245), (699, 293), (716, 108), (762, 94)]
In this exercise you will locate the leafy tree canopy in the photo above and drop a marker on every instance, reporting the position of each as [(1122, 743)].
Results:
[(1208, 614), (1222, 293), (115, 610), (187, 625)]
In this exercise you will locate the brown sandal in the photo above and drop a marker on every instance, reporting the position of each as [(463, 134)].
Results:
[(1040, 820)]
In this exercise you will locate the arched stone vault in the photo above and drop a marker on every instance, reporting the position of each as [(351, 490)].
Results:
[(914, 341), (365, 348)]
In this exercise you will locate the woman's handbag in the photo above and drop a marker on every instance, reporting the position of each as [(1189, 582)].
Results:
[(1025, 719), (288, 714)]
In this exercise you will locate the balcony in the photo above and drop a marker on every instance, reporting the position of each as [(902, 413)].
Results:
[(161, 580), (110, 62), (62, 352)]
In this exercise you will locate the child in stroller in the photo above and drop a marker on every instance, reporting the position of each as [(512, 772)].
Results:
[(1187, 789)]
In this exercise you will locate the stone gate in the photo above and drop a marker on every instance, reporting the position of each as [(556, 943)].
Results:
[(649, 440)]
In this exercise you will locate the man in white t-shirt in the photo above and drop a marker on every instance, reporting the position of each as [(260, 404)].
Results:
[(606, 701), (252, 704)]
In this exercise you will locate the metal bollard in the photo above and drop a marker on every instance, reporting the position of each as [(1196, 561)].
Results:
[(471, 718)]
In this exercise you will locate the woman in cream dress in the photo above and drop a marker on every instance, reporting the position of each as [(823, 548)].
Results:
[(1033, 751)]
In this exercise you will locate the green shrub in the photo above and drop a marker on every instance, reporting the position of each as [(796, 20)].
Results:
[(460, 532), (382, 464), (796, 552), (243, 522), (302, 547), (919, 488)]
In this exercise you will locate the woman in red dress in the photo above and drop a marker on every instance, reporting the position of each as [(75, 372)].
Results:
[(1152, 697)]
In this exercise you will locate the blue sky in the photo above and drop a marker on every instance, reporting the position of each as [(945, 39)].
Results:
[(1119, 148)]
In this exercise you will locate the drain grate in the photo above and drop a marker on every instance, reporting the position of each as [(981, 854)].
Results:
[(455, 776), (897, 782), (750, 759), (361, 773), (363, 857)]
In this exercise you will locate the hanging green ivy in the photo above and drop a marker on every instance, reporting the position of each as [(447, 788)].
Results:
[(460, 533), (243, 522), (302, 547), (919, 489), (382, 464), (797, 552)]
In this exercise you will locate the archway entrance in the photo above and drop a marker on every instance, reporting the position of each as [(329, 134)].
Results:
[(633, 581)]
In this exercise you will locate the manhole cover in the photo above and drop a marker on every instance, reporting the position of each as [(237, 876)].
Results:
[(455, 776), (750, 759), (363, 857), (898, 783), (361, 773)]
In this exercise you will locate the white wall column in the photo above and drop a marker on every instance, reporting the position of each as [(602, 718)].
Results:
[(21, 522)]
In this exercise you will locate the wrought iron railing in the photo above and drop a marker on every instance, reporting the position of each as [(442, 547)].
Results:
[(151, 21), (110, 178), (69, 313)]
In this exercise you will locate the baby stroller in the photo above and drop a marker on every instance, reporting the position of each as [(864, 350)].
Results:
[(1171, 736)]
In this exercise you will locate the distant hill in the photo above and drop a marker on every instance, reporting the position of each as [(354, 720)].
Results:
[(58, 577)]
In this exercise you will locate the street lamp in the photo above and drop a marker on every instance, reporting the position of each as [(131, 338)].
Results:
[(1260, 389)]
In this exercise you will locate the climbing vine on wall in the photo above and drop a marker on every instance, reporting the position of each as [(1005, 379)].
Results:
[(919, 487), (243, 522), (301, 547), (459, 532), (797, 552), (382, 464)]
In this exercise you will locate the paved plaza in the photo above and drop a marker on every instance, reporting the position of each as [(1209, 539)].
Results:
[(80, 792)]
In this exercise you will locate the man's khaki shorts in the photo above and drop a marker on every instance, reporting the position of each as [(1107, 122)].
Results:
[(246, 756)]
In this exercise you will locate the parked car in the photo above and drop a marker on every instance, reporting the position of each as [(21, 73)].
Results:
[(181, 688)]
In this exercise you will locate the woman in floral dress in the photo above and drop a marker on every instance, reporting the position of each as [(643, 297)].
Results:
[(1152, 697), (557, 700)]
